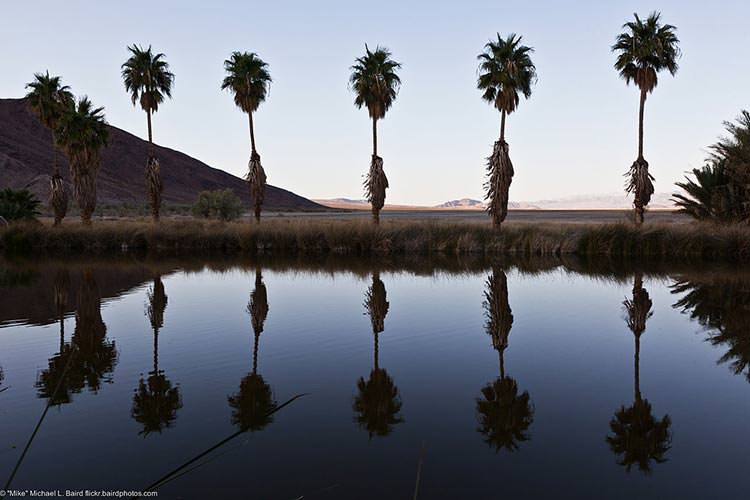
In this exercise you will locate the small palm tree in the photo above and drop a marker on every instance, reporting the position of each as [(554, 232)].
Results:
[(375, 85), (249, 80), (49, 98), (645, 48), (505, 73), (148, 80), (82, 132), (733, 152), (709, 197)]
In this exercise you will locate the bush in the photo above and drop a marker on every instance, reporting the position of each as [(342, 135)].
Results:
[(18, 205), (221, 203)]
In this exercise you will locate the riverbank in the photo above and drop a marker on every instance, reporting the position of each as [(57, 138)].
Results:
[(291, 236)]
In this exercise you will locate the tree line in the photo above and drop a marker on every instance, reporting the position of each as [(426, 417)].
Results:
[(720, 190)]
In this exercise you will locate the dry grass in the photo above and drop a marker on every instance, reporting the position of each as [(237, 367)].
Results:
[(310, 235)]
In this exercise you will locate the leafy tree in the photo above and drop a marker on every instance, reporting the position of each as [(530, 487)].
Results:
[(505, 73), (375, 83), (249, 80), (82, 133), (645, 48), (17, 205), (49, 98), (221, 203), (148, 81)]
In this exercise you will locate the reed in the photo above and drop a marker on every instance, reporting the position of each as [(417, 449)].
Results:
[(318, 235)]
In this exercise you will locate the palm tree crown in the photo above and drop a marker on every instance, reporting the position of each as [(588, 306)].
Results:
[(644, 49), (505, 72), (82, 132), (248, 79), (147, 78), (375, 82), (48, 97)]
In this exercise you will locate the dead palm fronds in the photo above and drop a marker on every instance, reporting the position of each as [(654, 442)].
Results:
[(375, 185), (376, 304), (640, 183), (256, 181), (58, 197), (499, 176), (154, 186)]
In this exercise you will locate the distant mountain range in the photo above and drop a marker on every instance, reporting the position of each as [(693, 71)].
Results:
[(609, 201), (26, 161)]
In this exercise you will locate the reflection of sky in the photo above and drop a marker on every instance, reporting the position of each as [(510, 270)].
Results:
[(569, 348)]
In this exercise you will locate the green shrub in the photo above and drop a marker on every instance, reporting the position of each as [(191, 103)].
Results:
[(18, 205), (220, 203)]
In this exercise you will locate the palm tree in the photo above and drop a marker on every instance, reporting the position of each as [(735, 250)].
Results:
[(637, 435), (254, 403), (375, 84), (505, 72), (82, 132), (156, 401), (249, 80), (643, 50), (504, 415), (148, 80), (378, 403), (710, 196), (733, 152), (49, 98)]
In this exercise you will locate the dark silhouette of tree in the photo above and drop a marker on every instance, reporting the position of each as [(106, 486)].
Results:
[(637, 436), (378, 403), (89, 358), (156, 401), (505, 73), (722, 307), (375, 83), (504, 415), (645, 48), (253, 404)]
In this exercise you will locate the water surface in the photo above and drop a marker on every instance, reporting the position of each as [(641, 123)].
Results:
[(457, 380)]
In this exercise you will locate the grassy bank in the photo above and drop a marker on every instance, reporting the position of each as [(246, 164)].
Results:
[(291, 236)]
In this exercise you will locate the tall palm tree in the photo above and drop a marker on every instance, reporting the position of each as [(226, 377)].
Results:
[(49, 98), (249, 80), (505, 73), (254, 403), (645, 48), (378, 403), (375, 85), (637, 436), (148, 80), (504, 415), (156, 401), (82, 132)]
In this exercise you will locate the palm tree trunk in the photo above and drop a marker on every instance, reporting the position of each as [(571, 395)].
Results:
[(376, 359), (255, 353), (502, 362), (640, 124), (252, 132), (156, 351), (637, 377), (150, 135), (502, 126), (375, 137)]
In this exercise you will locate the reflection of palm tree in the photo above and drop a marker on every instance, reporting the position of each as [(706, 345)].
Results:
[(254, 403), (504, 414), (724, 307), (89, 358), (156, 402), (637, 436), (377, 403)]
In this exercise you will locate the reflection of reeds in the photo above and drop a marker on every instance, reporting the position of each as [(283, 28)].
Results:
[(392, 237)]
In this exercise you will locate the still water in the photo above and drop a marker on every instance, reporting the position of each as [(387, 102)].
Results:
[(479, 380)]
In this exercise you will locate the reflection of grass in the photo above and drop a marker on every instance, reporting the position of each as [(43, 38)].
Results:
[(358, 237)]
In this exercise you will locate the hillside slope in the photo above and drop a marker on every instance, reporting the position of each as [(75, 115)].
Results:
[(26, 159)]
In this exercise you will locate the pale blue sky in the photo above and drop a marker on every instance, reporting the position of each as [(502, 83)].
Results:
[(576, 135)]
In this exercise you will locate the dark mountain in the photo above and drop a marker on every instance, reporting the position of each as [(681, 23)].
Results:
[(26, 161)]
